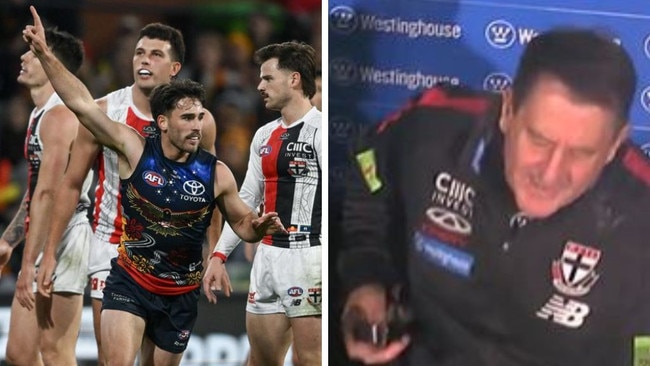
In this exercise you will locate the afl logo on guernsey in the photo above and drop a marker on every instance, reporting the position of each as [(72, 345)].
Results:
[(295, 291), (265, 150), (153, 179)]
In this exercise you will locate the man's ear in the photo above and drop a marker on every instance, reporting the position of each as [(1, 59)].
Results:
[(295, 79), (162, 123), (176, 68), (506, 109)]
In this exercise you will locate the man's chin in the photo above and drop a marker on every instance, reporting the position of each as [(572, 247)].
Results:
[(537, 207)]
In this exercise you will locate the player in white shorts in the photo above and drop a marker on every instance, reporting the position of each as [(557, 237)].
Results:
[(158, 56), (284, 173), (45, 330)]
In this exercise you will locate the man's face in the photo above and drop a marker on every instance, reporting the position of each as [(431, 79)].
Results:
[(152, 63), (31, 72), (275, 85), (555, 147), (183, 127), (317, 99)]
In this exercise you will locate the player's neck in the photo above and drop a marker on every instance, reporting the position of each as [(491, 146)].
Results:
[(171, 152), (41, 94), (295, 110), (141, 100)]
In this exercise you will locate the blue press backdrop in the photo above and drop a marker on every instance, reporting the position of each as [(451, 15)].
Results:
[(381, 52)]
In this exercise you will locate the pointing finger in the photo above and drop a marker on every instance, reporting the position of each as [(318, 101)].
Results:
[(37, 19)]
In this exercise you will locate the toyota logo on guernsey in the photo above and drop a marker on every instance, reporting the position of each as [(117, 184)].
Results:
[(343, 19), (497, 81), (500, 34), (343, 71), (645, 99), (194, 187)]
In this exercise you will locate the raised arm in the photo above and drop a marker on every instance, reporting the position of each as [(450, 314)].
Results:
[(124, 140)]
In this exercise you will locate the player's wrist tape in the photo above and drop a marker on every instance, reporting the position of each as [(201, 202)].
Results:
[(219, 255)]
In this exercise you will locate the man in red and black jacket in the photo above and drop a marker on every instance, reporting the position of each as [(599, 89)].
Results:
[(515, 223)]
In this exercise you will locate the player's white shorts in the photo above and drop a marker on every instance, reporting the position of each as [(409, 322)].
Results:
[(72, 259), (286, 281), (99, 264)]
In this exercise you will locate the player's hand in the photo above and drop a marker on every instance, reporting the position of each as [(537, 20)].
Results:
[(216, 279), (45, 274), (34, 35), (24, 287), (269, 224), (5, 253), (369, 301)]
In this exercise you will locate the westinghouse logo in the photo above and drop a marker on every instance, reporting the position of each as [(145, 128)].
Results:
[(502, 34), (645, 99), (343, 71), (341, 129), (497, 81), (343, 19)]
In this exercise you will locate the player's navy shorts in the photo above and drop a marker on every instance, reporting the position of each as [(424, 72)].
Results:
[(169, 319)]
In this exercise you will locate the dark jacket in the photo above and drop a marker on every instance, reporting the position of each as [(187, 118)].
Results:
[(488, 286)]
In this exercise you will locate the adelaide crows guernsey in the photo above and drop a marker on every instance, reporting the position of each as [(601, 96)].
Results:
[(108, 216), (167, 207)]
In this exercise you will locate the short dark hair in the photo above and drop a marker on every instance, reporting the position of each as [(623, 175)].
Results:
[(66, 47), (588, 62), (164, 32), (294, 56), (164, 97)]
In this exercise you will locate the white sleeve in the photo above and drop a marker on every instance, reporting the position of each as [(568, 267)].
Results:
[(251, 192)]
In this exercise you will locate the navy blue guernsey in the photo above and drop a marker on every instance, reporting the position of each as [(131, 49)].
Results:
[(167, 207)]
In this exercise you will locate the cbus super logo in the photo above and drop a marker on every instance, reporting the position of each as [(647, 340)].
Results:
[(502, 34), (497, 81), (153, 179), (343, 19)]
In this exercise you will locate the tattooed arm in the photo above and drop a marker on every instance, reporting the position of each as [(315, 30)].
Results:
[(14, 234)]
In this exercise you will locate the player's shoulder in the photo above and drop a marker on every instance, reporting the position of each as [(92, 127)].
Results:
[(634, 167), (625, 183), (116, 98), (269, 126), (443, 102), (313, 118)]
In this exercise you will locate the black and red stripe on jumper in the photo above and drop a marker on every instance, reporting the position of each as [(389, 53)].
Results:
[(283, 157)]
